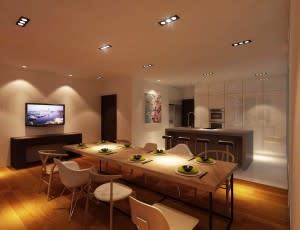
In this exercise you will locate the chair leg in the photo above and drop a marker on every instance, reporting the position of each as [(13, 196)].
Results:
[(86, 210), (227, 196), (178, 190), (49, 186), (73, 204)]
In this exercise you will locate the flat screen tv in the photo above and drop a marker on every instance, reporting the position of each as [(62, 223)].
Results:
[(37, 114)]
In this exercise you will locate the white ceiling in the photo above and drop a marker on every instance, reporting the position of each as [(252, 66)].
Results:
[(63, 37)]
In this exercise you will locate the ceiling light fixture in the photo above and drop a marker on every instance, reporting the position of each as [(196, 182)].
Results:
[(158, 80), (261, 74), (24, 66), (100, 77), (104, 47), (168, 20), (70, 75), (22, 21), (147, 66), (241, 43)]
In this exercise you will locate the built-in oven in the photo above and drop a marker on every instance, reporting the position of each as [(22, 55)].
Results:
[(216, 118)]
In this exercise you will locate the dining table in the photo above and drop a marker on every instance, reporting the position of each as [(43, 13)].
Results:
[(207, 177)]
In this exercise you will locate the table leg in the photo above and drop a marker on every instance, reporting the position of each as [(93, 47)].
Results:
[(210, 210), (231, 197)]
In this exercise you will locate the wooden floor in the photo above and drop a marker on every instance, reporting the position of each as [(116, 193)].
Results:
[(23, 207)]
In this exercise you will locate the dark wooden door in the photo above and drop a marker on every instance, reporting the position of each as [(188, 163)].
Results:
[(109, 117), (188, 112)]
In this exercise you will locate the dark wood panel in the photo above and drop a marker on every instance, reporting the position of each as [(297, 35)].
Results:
[(109, 117)]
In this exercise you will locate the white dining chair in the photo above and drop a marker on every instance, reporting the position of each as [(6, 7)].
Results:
[(74, 179), (48, 170), (159, 217), (150, 147), (109, 191), (181, 149)]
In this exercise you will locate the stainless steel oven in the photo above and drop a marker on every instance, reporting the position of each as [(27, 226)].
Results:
[(216, 118), (216, 115)]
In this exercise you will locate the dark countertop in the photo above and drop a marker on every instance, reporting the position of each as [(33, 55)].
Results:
[(231, 132)]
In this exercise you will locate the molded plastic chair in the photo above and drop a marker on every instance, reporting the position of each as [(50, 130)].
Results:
[(159, 216), (181, 149), (73, 178), (48, 170), (109, 191), (150, 147)]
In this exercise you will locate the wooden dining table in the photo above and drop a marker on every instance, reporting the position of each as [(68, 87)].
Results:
[(165, 166)]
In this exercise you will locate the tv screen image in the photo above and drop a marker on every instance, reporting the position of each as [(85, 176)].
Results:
[(44, 114)]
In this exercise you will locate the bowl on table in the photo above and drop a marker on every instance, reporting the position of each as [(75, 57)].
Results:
[(126, 145), (187, 168), (104, 150)]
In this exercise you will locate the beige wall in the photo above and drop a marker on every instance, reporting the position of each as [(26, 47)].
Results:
[(295, 113), (81, 99), (121, 87)]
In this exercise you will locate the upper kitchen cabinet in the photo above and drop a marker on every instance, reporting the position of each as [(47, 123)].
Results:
[(216, 92), (216, 88)]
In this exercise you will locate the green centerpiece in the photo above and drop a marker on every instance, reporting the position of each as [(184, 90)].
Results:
[(81, 146)]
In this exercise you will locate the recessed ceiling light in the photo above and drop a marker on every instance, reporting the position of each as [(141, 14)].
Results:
[(158, 80), (261, 74), (241, 43), (70, 75), (24, 66), (22, 21), (168, 20), (100, 77), (147, 66), (104, 47)]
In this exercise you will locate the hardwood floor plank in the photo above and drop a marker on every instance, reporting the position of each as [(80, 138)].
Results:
[(22, 207)]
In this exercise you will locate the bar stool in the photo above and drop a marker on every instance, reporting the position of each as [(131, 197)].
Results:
[(168, 140), (228, 144), (183, 140), (202, 142)]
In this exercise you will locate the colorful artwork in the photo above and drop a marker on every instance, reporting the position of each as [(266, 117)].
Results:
[(152, 108)]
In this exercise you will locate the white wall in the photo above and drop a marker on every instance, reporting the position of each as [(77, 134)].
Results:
[(188, 92), (141, 132), (18, 87), (294, 114)]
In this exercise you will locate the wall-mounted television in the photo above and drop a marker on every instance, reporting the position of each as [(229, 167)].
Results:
[(37, 114)]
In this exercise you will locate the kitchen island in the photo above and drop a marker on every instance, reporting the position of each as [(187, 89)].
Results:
[(242, 139)]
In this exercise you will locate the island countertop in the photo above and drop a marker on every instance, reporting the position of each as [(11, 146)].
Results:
[(231, 132), (242, 140)]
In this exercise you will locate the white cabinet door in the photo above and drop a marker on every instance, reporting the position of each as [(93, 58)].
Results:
[(201, 111), (234, 111), (254, 118), (216, 101)]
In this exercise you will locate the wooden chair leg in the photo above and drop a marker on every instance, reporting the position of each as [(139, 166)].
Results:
[(49, 186), (111, 207)]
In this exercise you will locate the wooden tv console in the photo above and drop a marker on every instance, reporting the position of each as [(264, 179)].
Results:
[(19, 145)]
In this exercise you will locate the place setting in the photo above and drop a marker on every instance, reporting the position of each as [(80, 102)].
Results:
[(190, 171), (81, 146), (105, 151), (159, 152), (139, 158)]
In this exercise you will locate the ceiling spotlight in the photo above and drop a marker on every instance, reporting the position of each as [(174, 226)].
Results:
[(168, 20), (70, 75), (104, 47), (100, 77), (147, 66), (261, 74), (158, 80), (24, 66), (22, 21), (241, 43)]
